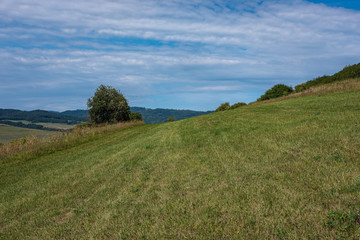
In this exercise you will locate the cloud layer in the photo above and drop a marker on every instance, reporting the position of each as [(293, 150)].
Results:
[(175, 54)]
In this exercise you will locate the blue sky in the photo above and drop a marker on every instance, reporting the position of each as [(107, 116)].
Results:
[(183, 54)]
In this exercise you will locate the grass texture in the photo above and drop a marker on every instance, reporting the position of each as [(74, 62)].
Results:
[(281, 170)]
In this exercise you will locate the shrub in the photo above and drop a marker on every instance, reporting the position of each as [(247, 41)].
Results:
[(276, 91), (301, 87), (134, 116), (348, 72), (171, 119), (317, 81), (223, 107), (237, 105)]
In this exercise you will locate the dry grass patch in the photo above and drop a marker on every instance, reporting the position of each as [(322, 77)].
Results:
[(350, 85), (32, 146)]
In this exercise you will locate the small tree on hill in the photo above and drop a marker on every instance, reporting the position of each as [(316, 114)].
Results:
[(171, 119), (108, 106), (276, 91), (223, 107), (237, 105)]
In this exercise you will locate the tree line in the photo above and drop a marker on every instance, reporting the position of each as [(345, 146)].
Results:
[(38, 116)]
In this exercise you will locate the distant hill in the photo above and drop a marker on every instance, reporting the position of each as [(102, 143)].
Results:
[(149, 115), (158, 115), (38, 116), (83, 114)]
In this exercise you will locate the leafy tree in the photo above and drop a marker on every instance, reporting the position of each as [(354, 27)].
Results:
[(134, 116), (171, 119), (276, 91), (108, 106), (223, 107), (237, 105)]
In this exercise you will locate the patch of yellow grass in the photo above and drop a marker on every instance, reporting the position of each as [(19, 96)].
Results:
[(31, 146)]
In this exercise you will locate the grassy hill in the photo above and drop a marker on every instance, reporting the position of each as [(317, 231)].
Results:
[(281, 170), (22, 121)]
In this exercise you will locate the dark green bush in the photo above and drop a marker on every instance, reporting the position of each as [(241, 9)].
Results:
[(223, 107), (134, 116), (237, 105), (317, 81), (276, 91), (348, 72)]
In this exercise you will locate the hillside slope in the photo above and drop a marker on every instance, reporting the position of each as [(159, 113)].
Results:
[(38, 116), (158, 115), (281, 170)]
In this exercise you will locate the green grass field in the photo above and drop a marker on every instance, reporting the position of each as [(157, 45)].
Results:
[(61, 126), (281, 170), (8, 133)]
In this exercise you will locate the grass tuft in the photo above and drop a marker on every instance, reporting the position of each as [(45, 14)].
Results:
[(345, 223)]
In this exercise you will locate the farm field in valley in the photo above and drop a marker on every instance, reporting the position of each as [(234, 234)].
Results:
[(8, 133)]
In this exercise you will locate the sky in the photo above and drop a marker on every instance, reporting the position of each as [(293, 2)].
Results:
[(181, 54)]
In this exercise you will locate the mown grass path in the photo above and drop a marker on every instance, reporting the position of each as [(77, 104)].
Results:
[(271, 171)]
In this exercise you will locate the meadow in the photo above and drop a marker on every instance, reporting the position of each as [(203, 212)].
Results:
[(61, 126), (8, 133), (285, 169)]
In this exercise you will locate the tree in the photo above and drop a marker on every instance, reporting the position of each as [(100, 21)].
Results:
[(276, 91), (237, 105), (171, 119), (223, 107), (108, 106)]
